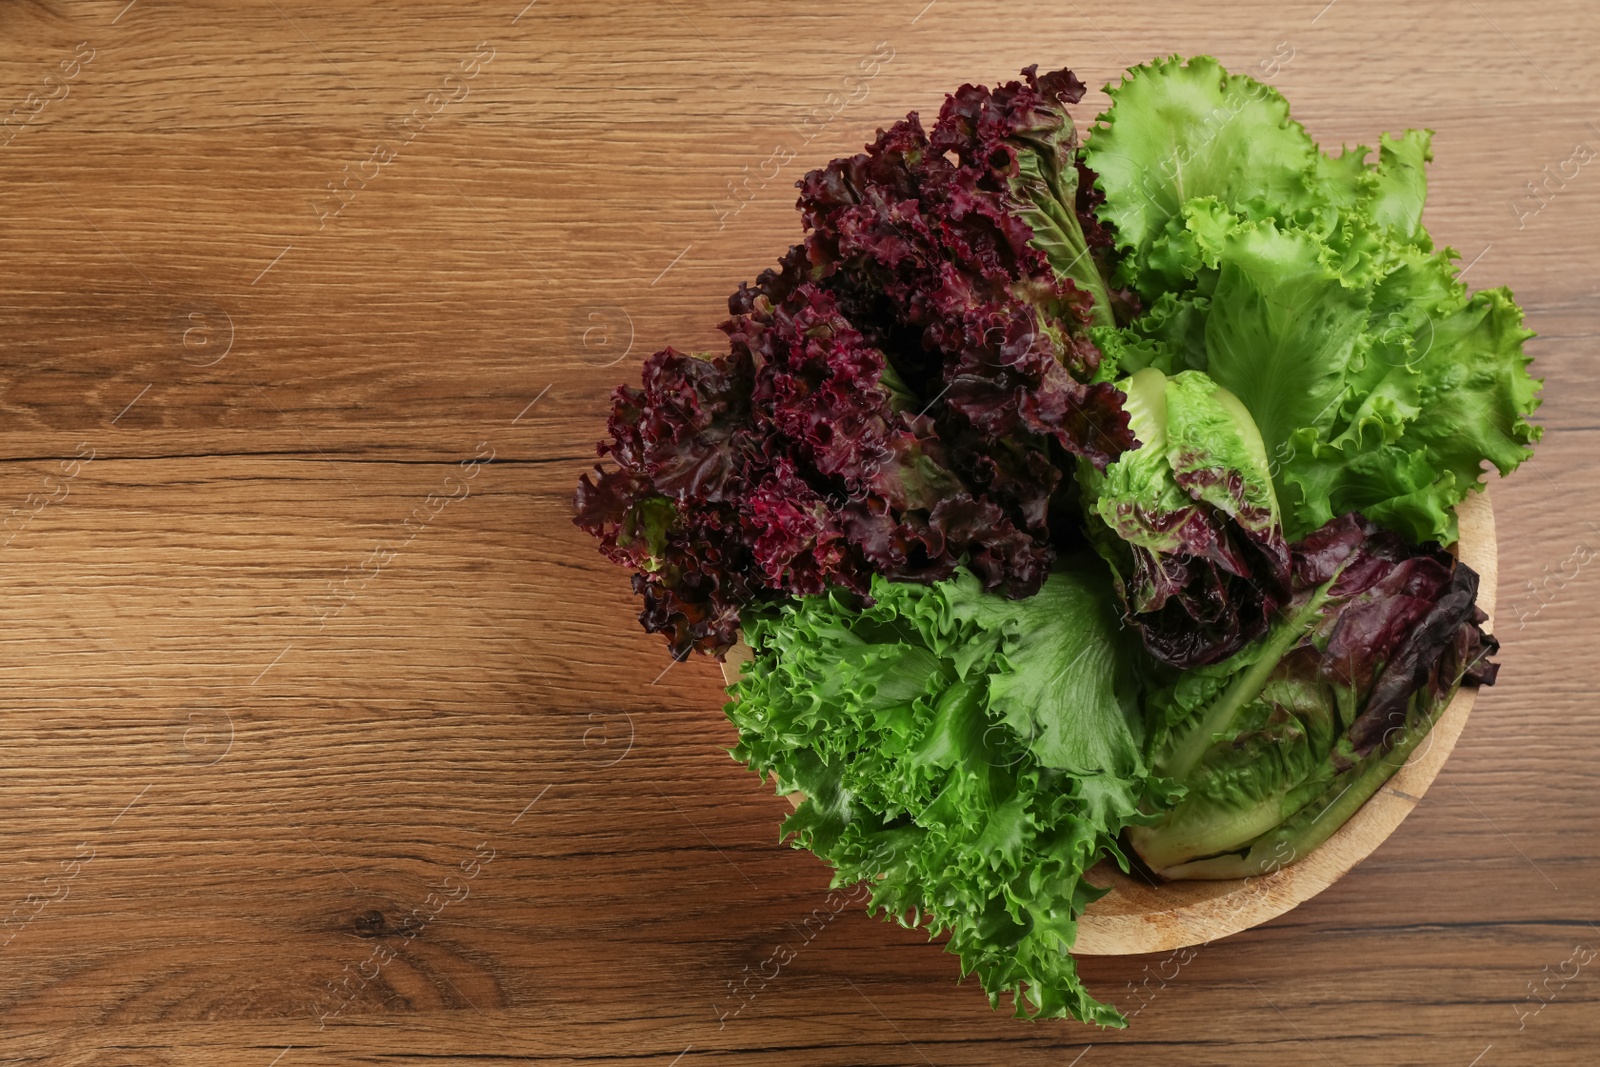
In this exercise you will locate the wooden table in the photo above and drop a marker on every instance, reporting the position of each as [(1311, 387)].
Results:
[(329, 740)]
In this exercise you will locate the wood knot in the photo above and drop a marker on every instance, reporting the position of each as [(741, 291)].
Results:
[(370, 923)]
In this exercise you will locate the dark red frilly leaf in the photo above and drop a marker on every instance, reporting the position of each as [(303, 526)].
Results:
[(906, 391)]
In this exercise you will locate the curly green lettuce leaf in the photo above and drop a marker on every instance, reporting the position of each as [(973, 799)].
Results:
[(1178, 130), (1454, 394), (970, 756), (1059, 683), (1283, 329), (1400, 185), (1307, 286)]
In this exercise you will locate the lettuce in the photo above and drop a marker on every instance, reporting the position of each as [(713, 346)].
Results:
[(905, 392), (1274, 748), (968, 755), (1177, 131), (1188, 520), (1306, 285), (1077, 498)]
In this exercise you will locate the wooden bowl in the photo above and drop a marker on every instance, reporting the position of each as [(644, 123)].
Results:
[(1136, 916)]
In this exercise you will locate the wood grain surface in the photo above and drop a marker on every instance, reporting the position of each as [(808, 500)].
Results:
[(328, 740)]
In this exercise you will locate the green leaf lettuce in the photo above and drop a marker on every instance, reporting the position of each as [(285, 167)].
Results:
[(968, 755), (1306, 285)]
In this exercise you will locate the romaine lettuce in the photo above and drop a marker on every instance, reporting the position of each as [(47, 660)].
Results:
[(1277, 746), (1188, 520)]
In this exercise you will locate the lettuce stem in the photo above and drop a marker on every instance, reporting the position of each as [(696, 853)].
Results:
[(1245, 687)]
